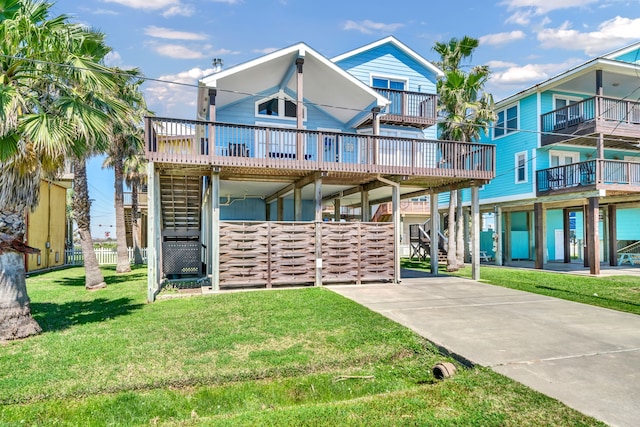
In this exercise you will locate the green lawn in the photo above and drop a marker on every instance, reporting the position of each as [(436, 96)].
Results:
[(288, 357), (616, 292)]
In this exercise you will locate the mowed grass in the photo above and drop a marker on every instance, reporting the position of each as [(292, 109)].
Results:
[(286, 357), (616, 292)]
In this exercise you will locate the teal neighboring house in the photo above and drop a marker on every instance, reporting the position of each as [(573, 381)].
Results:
[(567, 182), (236, 196)]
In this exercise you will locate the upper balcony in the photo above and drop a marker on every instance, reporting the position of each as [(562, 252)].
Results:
[(611, 117), (614, 175), (142, 199), (414, 109), (261, 151)]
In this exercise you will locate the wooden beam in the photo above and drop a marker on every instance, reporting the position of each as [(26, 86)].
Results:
[(613, 238), (538, 218), (593, 236), (318, 230), (280, 209), (434, 233), (395, 206), (154, 229), (365, 206), (475, 232), (297, 204), (336, 209), (498, 235), (566, 235), (302, 182)]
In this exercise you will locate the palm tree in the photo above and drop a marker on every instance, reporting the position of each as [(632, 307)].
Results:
[(135, 167), (51, 94), (127, 140), (467, 110)]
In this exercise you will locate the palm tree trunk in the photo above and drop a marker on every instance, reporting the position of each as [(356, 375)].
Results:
[(15, 307), (459, 231), (452, 264), (137, 255), (123, 265), (82, 210)]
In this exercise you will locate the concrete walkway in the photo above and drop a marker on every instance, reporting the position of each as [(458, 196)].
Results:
[(584, 356)]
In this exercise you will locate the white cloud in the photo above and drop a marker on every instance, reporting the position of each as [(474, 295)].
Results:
[(493, 65), (181, 10), (516, 75), (540, 7), (178, 51), (227, 1), (113, 59), (520, 17), (146, 4), (104, 12), (501, 38), (167, 33), (369, 27), (265, 51), (175, 100), (610, 34)]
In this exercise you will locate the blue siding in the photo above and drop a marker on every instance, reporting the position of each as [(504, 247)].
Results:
[(627, 224), (504, 184), (388, 60), (632, 57)]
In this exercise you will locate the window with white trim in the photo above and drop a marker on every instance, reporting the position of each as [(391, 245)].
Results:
[(278, 106), (386, 83), (507, 121), (521, 167)]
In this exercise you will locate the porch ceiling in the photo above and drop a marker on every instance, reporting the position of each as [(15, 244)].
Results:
[(617, 81)]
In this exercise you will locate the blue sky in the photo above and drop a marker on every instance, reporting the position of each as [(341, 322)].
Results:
[(523, 41)]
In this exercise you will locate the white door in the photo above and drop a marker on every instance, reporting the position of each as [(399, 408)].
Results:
[(563, 177), (559, 245)]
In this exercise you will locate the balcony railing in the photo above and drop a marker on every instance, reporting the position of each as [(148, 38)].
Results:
[(223, 144), (590, 175), (616, 116), (409, 107), (142, 199)]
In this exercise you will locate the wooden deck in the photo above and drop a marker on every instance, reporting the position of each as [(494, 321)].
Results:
[(614, 175), (582, 121), (259, 151), (408, 108)]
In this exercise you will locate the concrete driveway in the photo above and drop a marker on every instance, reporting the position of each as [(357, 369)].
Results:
[(584, 356)]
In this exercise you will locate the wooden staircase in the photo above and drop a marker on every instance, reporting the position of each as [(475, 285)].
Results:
[(180, 202)]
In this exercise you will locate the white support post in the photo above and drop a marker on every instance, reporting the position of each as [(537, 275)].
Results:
[(318, 222), (154, 231), (395, 203), (475, 231), (498, 238), (435, 233), (215, 231)]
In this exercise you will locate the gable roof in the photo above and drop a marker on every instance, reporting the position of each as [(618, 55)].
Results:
[(326, 85), (397, 43), (580, 75)]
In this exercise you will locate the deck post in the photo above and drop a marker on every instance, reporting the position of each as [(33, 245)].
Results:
[(206, 230), (498, 234), (475, 232), (212, 118), (375, 125), (297, 204), (538, 218), (215, 231), (566, 234), (280, 209), (465, 232), (300, 107), (613, 238), (395, 203), (336, 210), (507, 237), (434, 233), (365, 207), (319, 224), (154, 244), (593, 236)]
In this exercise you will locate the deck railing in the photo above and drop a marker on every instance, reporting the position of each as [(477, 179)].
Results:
[(142, 199), (224, 144), (609, 109), (410, 104), (592, 173)]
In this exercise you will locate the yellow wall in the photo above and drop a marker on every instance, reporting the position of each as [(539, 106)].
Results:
[(47, 224)]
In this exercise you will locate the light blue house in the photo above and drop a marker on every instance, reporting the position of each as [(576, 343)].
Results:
[(568, 174), (236, 196)]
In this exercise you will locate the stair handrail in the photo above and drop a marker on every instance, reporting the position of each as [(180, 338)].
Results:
[(630, 248)]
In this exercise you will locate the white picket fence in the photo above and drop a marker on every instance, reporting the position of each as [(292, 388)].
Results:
[(105, 256)]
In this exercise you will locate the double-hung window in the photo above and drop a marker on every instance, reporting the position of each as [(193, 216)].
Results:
[(521, 167), (507, 121)]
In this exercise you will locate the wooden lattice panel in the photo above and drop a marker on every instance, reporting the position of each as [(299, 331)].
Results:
[(181, 258), (292, 253), (244, 254), (376, 251), (340, 249)]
